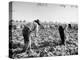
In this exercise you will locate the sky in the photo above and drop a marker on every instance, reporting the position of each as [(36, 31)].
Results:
[(44, 12)]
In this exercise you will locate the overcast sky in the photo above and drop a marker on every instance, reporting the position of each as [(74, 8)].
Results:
[(44, 12)]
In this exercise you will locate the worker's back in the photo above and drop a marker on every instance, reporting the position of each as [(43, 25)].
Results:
[(62, 35), (26, 33)]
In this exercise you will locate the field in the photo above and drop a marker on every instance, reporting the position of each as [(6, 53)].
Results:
[(44, 40)]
